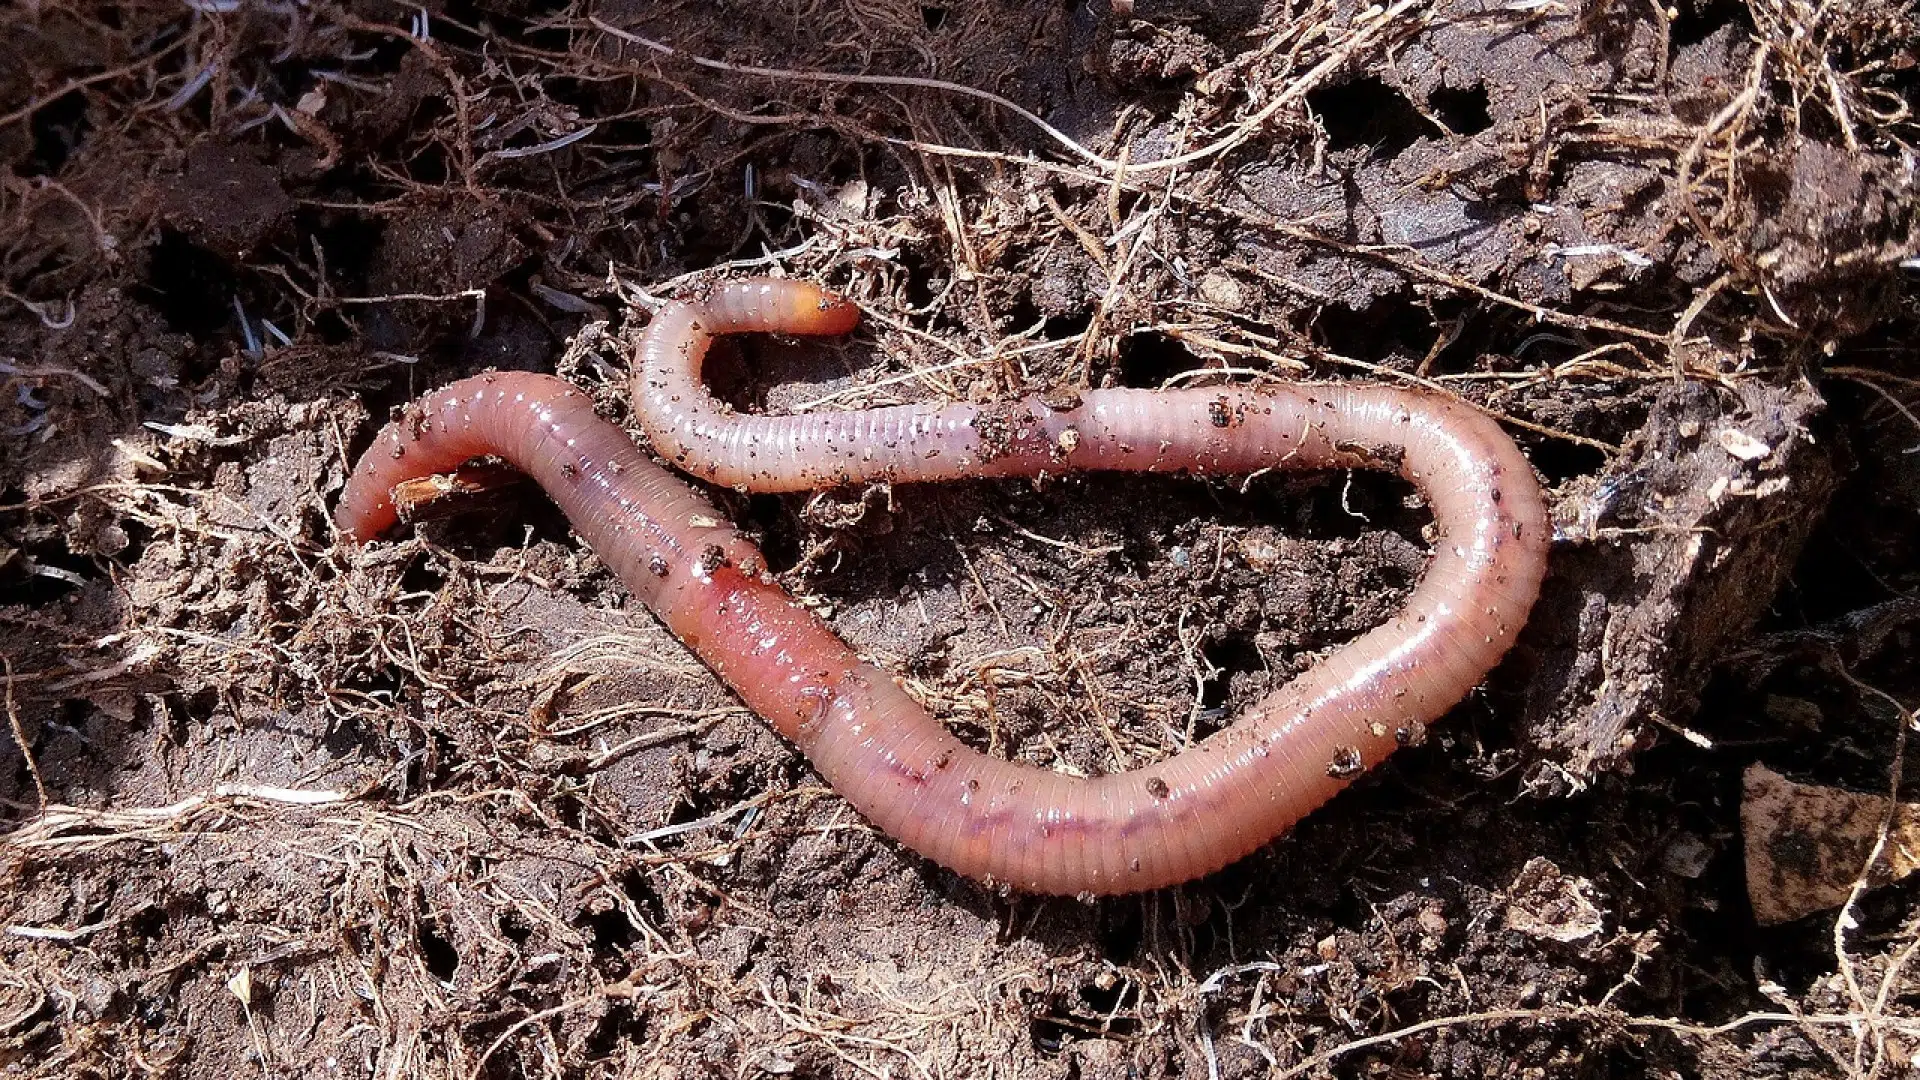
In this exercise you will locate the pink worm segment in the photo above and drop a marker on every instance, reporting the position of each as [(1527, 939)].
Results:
[(988, 818)]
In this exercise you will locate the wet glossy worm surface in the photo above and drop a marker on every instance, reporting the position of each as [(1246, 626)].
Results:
[(992, 819)]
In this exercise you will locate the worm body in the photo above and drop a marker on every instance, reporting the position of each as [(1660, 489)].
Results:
[(992, 819)]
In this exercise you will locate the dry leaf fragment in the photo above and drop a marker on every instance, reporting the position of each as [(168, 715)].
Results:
[(1806, 844), (240, 985), (1545, 903)]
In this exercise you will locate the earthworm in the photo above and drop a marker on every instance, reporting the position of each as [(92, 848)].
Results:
[(1001, 821)]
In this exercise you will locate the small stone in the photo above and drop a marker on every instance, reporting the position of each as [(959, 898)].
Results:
[(1742, 445), (1223, 290), (1687, 856)]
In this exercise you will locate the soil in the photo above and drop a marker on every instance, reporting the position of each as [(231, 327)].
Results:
[(452, 806)]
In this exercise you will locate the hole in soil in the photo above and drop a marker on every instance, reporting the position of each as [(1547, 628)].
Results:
[(292, 78), (775, 219), (643, 898), (441, 957), (732, 379), (139, 536), (429, 167), (626, 145), (1060, 1024), (1121, 931), (779, 539), (692, 808), (467, 13), (423, 576), (921, 287), (348, 242), (620, 1027), (32, 589), (533, 24), (58, 127), (515, 929), (1233, 655), (1463, 111), (174, 719), (356, 731), (1390, 325), (1367, 499), (628, 141), (1368, 112), (1064, 327), (518, 515), (1335, 505), (191, 287), (1049, 1035), (1023, 313), (1832, 580), (1559, 460), (1149, 360), (933, 17), (1109, 1000), (442, 759), (147, 924), (1698, 19), (383, 54), (382, 683), (1859, 554), (612, 930)]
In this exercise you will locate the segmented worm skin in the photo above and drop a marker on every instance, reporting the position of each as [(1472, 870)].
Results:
[(1000, 821)]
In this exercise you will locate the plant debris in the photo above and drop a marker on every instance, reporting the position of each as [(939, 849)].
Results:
[(1808, 845)]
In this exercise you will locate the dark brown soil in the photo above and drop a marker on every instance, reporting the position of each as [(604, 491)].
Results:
[(451, 806)]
